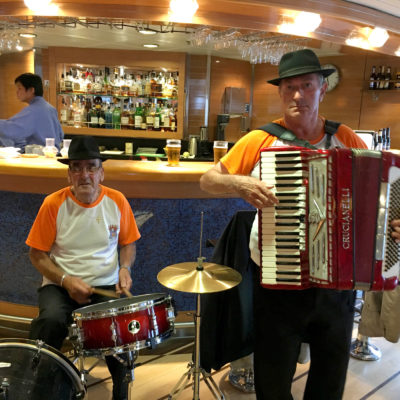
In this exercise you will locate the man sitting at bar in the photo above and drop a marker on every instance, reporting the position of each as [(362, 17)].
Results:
[(284, 319), (35, 123), (74, 244)]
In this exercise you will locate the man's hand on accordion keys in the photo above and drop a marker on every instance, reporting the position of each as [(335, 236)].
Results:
[(255, 192), (395, 224)]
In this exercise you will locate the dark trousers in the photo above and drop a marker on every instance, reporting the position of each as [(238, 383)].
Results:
[(283, 320), (51, 326)]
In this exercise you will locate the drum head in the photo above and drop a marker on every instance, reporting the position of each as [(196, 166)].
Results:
[(38, 372), (119, 306)]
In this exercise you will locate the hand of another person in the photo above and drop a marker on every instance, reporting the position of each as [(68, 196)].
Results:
[(77, 289), (255, 192), (395, 224), (125, 281)]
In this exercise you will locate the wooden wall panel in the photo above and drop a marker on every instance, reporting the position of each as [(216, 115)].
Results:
[(196, 91), (12, 65), (227, 73)]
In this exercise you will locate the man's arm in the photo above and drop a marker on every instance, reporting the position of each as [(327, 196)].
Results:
[(77, 289), (218, 181), (127, 256)]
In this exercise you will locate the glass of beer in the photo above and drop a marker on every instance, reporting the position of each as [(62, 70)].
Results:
[(220, 149), (173, 151)]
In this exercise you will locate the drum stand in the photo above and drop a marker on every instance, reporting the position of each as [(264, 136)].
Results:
[(194, 369)]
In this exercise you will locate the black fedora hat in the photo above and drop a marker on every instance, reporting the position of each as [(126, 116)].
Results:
[(297, 63), (82, 148)]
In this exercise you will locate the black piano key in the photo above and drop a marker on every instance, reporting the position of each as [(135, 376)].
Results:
[(294, 185), (289, 247), (286, 233), (286, 256), (293, 263), (294, 224), (286, 240), (288, 280)]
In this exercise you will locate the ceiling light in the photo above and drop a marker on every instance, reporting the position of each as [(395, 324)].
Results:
[(147, 31), (19, 47), (151, 46), (378, 37), (42, 7), (182, 10), (27, 35), (300, 24), (397, 52)]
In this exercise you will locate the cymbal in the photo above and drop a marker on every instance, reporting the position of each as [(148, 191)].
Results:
[(187, 277)]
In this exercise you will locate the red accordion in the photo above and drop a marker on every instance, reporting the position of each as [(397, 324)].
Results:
[(330, 228)]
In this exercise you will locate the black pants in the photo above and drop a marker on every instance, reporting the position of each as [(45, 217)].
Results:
[(283, 320), (51, 326)]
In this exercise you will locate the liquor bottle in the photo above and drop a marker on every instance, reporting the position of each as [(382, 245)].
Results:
[(151, 111), (125, 118), (144, 118), (61, 84), (101, 116), (138, 116), (106, 82), (64, 112), (153, 84), (165, 121), (172, 119), (132, 116), (76, 86), (388, 78), (379, 146), (94, 118), (124, 86), (388, 138), (116, 117), (397, 83), (373, 78), (156, 121), (77, 114), (68, 82), (147, 86), (384, 139), (381, 78), (108, 117), (98, 83)]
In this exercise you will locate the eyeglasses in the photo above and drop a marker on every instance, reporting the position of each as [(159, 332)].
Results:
[(78, 169)]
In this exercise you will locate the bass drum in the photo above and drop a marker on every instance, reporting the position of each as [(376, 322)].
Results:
[(32, 370)]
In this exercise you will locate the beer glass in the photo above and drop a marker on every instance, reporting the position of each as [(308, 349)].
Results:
[(173, 151), (220, 149)]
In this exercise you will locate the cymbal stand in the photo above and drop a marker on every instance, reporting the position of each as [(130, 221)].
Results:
[(194, 369)]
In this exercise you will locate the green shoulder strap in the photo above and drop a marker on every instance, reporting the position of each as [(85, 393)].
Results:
[(282, 133)]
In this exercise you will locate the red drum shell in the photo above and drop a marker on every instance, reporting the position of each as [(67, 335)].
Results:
[(134, 320)]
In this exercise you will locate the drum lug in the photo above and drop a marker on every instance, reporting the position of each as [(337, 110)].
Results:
[(170, 314), (4, 388)]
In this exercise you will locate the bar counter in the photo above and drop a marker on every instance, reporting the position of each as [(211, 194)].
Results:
[(167, 203), (136, 179)]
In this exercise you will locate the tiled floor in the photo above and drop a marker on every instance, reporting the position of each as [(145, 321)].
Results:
[(158, 374)]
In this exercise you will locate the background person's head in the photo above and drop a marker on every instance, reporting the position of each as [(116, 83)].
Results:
[(28, 86)]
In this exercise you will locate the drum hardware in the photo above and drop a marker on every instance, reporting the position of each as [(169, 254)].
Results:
[(198, 278), (5, 384)]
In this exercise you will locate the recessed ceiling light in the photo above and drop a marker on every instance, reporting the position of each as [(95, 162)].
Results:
[(151, 46), (27, 35), (147, 32)]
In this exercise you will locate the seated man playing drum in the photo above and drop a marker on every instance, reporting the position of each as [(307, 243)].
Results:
[(74, 244)]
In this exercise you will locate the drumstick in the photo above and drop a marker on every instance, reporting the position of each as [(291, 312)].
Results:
[(126, 292), (107, 293)]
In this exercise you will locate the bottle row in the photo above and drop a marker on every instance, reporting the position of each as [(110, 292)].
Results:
[(119, 83), (383, 79), (155, 116), (382, 139)]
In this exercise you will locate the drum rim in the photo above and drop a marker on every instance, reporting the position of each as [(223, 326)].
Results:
[(72, 370), (121, 310)]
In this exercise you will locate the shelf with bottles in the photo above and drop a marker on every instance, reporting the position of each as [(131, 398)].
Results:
[(144, 103), (383, 80)]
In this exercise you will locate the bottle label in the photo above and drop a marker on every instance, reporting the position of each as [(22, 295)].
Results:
[(63, 115), (156, 122), (138, 121), (143, 125), (102, 121), (125, 120), (77, 117), (149, 120), (94, 120), (166, 122)]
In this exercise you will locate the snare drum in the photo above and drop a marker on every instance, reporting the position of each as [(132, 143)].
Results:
[(131, 323), (32, 370)]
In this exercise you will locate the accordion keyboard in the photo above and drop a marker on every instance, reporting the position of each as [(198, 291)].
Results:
[(283, 226)]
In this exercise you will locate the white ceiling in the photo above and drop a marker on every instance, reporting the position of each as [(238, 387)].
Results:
[(391, 7)]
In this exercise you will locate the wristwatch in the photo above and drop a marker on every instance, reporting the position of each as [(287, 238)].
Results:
[(126, 267)]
